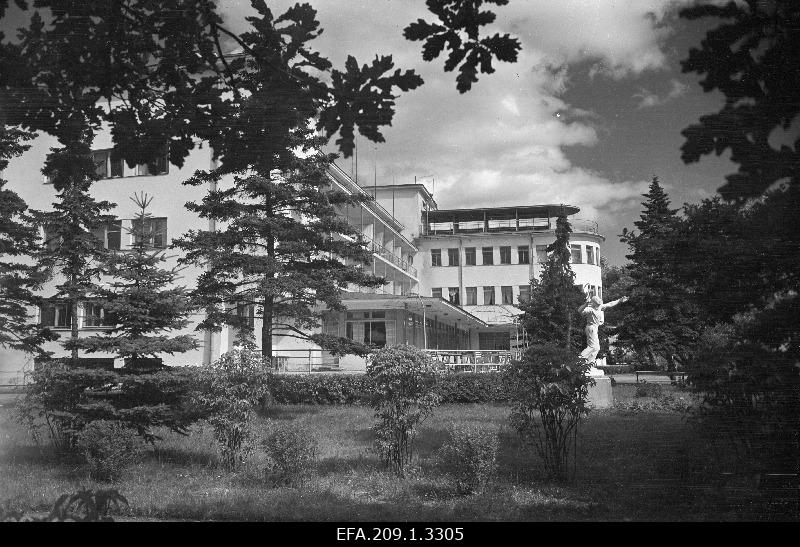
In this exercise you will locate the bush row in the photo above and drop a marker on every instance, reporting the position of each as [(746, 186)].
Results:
[(355, 389)]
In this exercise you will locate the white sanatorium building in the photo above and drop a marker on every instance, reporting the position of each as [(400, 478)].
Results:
[(459, 272)]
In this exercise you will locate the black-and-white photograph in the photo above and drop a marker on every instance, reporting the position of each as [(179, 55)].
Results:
[(399, 266)]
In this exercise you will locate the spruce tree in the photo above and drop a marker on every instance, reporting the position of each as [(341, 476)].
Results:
[(279, 249), (71, 252), (551, 314), (659, 322), (140, 299), (18, 238)]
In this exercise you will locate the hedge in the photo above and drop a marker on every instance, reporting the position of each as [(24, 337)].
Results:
[(354, 389)]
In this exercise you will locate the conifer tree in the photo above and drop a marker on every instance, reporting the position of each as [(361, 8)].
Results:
[(280, 251), (660, 319), (18, 238), (551, 314), (141, 299), (71, 252)]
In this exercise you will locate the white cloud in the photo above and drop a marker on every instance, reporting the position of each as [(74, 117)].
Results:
[(503, 142), (649, 99)]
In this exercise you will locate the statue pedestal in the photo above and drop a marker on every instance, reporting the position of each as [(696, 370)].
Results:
[(600, 393)]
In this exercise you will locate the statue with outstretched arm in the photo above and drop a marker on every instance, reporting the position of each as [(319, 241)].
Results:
[(592, 310)]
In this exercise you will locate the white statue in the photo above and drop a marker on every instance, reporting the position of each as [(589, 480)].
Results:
[(592, 310)]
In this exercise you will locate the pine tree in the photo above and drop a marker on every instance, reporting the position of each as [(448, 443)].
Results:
[(659, 322), (70, 250), (141, 300), (18, 238), (551, 314)]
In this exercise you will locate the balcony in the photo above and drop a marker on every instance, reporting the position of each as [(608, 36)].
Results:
[(389, 256), (538, 225)]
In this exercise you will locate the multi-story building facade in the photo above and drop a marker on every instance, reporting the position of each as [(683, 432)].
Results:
[(452, 277)]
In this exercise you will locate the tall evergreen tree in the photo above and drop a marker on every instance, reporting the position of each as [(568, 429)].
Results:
[(71, 251), (141, 300), (278, 249), (18, 238), (551, 314), (660, 319)]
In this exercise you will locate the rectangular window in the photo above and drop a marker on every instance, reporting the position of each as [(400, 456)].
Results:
[(523, 254), (159, 167), (469, 256), (507, 295), (452, 295), (436, 257), (576, 254), (155, 230), (452, 257), (100, 159), (488, 296), (247, 313), (368, 332), (488, 256), (589, 254), (95, 316), (472, 296), (541, 254), (436, 292), (116, 165), (109, 234), (56, 314), (524, 293), (52, 241), (505, 255)]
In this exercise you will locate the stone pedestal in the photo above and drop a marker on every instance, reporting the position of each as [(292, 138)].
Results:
[(600, 393)]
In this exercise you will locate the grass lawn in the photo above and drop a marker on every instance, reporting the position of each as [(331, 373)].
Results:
[(631, 465)]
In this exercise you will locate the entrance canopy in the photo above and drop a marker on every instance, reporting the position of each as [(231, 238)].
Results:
[(444, 311)]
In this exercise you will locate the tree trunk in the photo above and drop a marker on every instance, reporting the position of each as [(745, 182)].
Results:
[(73, 304), (266, 328)]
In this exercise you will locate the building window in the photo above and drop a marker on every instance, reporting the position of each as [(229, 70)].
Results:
[(95, 316), (488, 256), (109, 164), (541, 254), (436, 257), (57, 315), (246, 314), (469, 256), (576, 254), (523, 254), (452, 295), (436, 292), (589, 254), (488, 296), (524, 293), (155, 230), (452, 257), (109, 234), (505, 255), (52, 241), (100, 159), (507, 295), (369, 330), (472, 296)]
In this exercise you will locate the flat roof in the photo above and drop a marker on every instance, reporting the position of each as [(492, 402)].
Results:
[(355, 301), (545, 210)]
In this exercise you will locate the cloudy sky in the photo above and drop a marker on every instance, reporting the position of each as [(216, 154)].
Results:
[(591, 111)]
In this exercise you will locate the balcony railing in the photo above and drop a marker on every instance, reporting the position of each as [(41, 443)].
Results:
[(471, 360), (386, 254), (579, 225)]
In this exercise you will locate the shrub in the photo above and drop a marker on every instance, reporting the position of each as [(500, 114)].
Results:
[(81, 506), (645, 389), (550, 389), (469, 455), (228, 391), (404, 396), (108, 447), (471, 387), (291, 453), (320, 389)]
